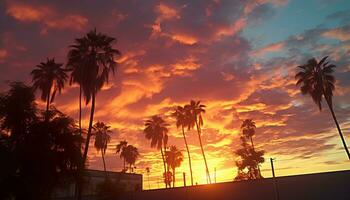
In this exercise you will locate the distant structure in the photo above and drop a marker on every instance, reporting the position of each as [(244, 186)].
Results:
[(131, 182)]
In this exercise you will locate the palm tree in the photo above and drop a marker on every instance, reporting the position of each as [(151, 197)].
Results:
[(182, 121), (156, 130), (248, 129), (121, 150), (131, 154), (250, 159), (49, 77), (148, 171), (194, 112), (101, 132), (92, 59), (174, 158), (316, 79)]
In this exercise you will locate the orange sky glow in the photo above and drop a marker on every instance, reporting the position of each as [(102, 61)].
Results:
[(214, 51)]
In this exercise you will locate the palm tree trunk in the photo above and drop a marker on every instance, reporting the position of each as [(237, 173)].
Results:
[(161, 151), (173, 177), (251, 141), (80, 92), (188, 153), (104, 162), (47, 105), (338, 127), (124, 165), (200, 142), (86, 149)]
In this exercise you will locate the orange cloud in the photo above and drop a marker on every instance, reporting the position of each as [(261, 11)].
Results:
[(166, 12), (275, 47), (338, 33), (184, 39), (49, 17), (27, 13)]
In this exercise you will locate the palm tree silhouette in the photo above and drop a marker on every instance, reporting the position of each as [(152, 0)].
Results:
[(182, 121), (92, 59), (148, 171), (156, 130), (248, 130), (194, 112), (316, 79), (174, 159), (121, 150), (131, 154), (49, 77), (101, 132), (250, 159)]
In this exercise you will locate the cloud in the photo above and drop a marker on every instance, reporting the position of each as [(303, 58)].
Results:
[(275, 47), (49, 17), (3, 55), (342, 34)]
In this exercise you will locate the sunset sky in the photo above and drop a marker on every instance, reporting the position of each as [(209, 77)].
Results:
[(238, 57)]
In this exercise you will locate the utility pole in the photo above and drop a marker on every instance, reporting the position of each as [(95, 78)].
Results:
[(184, 177), (274, 180)]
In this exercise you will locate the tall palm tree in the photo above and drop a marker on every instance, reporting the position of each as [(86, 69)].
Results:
[(182, 121), (131, 154), (92, 59), (316, 79), (121, 150), (194, 112), (248, 129), (156, 130), (49, 77), (174, 158), (101, 132)]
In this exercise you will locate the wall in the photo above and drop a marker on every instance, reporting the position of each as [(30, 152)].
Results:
[(328, 186)]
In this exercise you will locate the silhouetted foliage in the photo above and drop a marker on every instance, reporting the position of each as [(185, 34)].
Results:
[(317, 80), (156, 130), (43, 152), (182, 117), (249, 157), (174, 159), (101, 132), (120, 148), (194, 111), (49, 77), (131, 154)]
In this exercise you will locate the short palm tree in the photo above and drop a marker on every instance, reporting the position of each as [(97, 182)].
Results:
[(121, 151), (317, 80), (92, 59), (131, 155), (194, 112), (156, 130), (148, 171), (49, 77), (174, 159), (101, 132), (182, 121)]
